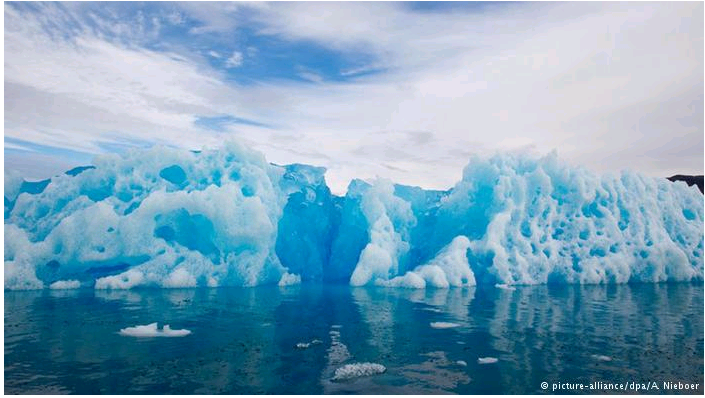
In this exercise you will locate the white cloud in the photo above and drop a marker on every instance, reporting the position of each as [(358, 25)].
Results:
[(175, 18), (610, 85), (309, 74), (234, 61)]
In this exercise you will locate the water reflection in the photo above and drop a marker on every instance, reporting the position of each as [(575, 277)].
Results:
[(244, 340)]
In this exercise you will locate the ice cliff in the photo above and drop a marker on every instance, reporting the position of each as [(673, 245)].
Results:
[(174, 218)]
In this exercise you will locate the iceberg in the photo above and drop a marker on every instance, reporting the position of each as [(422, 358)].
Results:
[(173, 218)]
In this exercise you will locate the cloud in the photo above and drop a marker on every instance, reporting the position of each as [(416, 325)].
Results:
[(310, 75), (234, 61), (214, 54), (610, 85)]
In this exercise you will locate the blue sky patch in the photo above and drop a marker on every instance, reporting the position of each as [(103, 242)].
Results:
[(220, 122)]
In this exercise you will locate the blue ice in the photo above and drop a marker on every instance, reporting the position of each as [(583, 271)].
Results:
[(174, 218)]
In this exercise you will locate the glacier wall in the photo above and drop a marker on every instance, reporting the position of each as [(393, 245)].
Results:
[(174, 218)]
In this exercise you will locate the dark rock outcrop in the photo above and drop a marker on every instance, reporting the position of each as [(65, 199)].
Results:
[(690, 180)]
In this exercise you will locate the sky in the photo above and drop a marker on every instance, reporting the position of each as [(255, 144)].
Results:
[(407, 91)]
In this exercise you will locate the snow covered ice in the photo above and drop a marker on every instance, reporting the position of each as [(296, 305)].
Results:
[(152, 330), (444, 325), (175, 218), (602, 358), (354, 370)]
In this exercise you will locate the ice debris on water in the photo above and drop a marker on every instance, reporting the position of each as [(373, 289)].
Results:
[(602, 358), (461, 363), (174, 218), (355, 370), (487, 360), (444, 325), (152, 330), (307, 345)]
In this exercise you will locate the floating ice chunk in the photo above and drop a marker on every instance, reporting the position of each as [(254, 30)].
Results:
[(602, 358), (303, 346), (151, 330), (461, 363), (289, 279), (70, 284), (444, 325), (337, 352), (486, 360), (336, 326), (461, 342), (504, 286), (168, 332), (355, 370)]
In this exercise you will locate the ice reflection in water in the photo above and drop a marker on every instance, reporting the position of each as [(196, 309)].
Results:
[(243, 340)]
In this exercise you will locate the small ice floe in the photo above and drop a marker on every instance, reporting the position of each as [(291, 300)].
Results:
[(431, 309), (603, 358), (461, 363), (504, 286), (336, 326), (460, 342), (303, 346), (355, 370), (151, 330), (443, 325), (486, 360)]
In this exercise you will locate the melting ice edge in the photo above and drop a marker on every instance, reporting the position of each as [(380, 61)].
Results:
[(175, 218)]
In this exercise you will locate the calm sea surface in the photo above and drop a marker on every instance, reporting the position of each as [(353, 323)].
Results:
[(244, 340)]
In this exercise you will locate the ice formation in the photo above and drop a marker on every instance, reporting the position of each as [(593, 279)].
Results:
[(174, 218), (152, 330), (602, 358), (444, 325), (487, 360), (60, 285), (303, 346), (354, 370)]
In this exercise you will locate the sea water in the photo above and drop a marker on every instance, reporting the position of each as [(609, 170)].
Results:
[(337, 339)]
